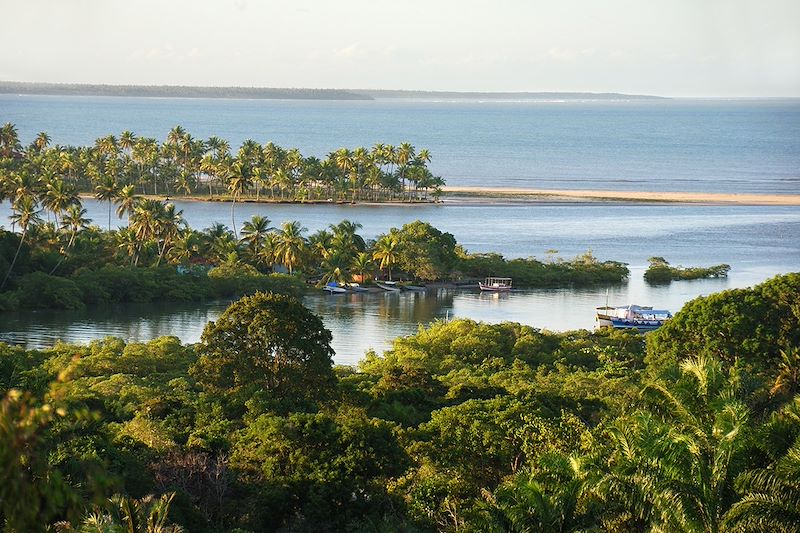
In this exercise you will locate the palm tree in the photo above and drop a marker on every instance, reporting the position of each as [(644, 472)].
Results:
[(363, 265), (345, 232), (673, 466), (385, 251), (336, 268), (290, 245), (771, 496), (545, 499), (145, 515), (169, 226), (254, 231), (73, 221), (239, 180), (9, 140), (321, 244), (126, 201), (187, 246), (129, 242), (42, 141), (107, 190), (25, 213), (127, 140), (788, 379), (58, 196)]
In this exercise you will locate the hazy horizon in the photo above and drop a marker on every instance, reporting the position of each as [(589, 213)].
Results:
[(739, 48)]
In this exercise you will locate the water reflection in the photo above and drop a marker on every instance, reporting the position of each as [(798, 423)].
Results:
[(363, 321)]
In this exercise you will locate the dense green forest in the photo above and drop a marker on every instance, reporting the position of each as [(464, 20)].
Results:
[(115, 168), (464, 426)]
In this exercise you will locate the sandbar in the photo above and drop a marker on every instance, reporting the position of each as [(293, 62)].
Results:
[(630, 196)]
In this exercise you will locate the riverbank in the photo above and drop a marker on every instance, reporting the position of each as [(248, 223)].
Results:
[(490, 193)]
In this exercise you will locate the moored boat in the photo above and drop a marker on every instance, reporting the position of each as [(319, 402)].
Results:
[(334, 288), (495, 284), (631, 316), (390, 286)]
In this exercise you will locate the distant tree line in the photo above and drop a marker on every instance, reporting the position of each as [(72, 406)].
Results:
[(115, 168)]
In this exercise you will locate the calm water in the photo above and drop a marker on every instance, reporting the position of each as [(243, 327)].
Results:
[(661, 145), (691, 145), (759, 242)]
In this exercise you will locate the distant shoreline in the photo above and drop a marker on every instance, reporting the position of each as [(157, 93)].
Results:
[(626, 196), (278, 93)]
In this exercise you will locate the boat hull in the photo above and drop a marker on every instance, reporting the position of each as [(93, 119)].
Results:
[(493, 288), (641, 325)]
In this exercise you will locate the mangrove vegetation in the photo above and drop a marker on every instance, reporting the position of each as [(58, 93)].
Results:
[(660, 271)]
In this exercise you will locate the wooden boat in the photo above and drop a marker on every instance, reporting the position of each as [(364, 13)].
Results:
[(495, 284), (333, 288), (631, 316), (390, 286)]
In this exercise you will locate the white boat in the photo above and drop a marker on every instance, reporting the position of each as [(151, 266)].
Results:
[(334, 288), (390, 286), (631, 316), (355, 287), (495, 284)]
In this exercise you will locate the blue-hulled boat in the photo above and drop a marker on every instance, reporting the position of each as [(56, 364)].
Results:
[(631, 316)]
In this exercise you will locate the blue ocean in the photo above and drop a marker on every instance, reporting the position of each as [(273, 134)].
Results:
[(744, 146)]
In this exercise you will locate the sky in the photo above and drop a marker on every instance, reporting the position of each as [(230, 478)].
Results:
[(723, 48)]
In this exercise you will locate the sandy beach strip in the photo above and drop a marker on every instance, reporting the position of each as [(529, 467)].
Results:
[(630, 196)]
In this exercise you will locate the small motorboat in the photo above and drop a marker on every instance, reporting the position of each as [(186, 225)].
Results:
[(355, 287), (334, 288)]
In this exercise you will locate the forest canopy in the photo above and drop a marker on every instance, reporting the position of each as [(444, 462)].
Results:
[(464, 426)]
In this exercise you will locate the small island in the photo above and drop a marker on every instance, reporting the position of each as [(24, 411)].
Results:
[(660, 271)]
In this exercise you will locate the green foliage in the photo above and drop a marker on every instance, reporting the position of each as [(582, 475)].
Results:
[(463, 426), (39, 290), (9, 242), (660, 271), (315, 471), (584, 269), (751, 325), (266, 342), (424, 252)]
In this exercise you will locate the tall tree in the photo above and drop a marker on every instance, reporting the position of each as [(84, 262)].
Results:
[(386, 253), (240, 178), (107, 191), (25, 212), (290, 245)]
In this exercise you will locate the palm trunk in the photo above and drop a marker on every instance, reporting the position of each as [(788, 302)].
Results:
[(233, 220), (13, 261)]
